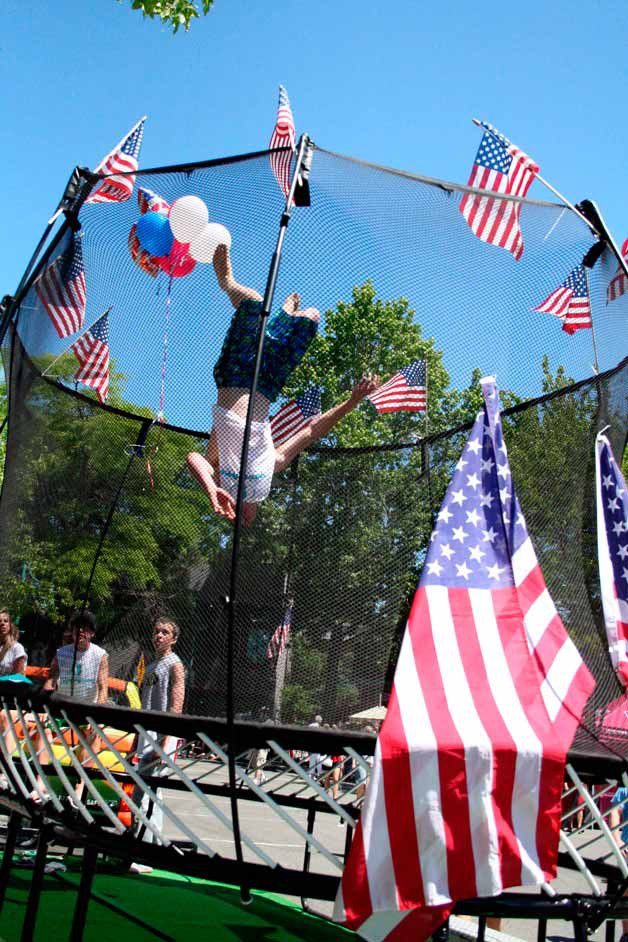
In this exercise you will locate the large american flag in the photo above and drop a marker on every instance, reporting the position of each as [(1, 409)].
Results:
[(284, 135), (92, 352), (570, 302), (280, 636), (120, 162), (612, 546), (62, 289), (464, 798), (502, 168), (619, 282), (295, 415), (406, 391)]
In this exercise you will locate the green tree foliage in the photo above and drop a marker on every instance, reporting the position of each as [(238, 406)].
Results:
[(174, 13)]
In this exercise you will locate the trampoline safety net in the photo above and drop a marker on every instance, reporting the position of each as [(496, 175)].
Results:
[(98, 505)]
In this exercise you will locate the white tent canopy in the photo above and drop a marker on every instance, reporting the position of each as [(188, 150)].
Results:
[(373, 713)]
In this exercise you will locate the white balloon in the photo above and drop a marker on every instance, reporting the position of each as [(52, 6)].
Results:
[(202, 248), (188, 217)]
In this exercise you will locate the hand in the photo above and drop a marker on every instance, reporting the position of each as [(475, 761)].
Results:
[(367, 385), (222, 503)]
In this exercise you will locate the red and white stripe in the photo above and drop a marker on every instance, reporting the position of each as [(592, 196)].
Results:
[(464, 799), (397, 396), (284, 135), (497, 221), (288, 421), (93, 355), (619, 282), (574, 312), (63, 302)]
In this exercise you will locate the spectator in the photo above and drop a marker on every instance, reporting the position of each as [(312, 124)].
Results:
[(316, 759), (163, 689), (618, 822), (12, 661), (79, 670)]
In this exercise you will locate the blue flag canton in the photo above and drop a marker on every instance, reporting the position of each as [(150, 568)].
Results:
[(615, 505), (415, 373), (132, 144), (71, 261), (577, 281), (310, 402), (493, 153), (480, 524), (100, 330)]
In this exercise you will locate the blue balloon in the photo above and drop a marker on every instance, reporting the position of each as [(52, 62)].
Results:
[(154, 233)]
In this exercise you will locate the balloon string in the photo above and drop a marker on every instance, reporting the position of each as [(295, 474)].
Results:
[(164, 359)]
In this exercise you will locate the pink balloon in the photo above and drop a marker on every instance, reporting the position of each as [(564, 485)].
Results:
[(178, 262)]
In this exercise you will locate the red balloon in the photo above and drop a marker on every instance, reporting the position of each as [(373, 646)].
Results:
[(178, 262)]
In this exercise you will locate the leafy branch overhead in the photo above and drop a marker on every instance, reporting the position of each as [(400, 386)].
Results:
[(175, 13)]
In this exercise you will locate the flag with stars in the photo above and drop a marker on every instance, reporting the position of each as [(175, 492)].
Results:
[(92, 352), (570, 302), (284, 135), (612, 546), (295, 415), (619, 282), (150, 202), (406, 391), (62, 289), (280, 636), (120, 163), (502, 168), (464, 798)]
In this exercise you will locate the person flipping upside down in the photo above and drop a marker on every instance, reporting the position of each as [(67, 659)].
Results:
[(289, 333)]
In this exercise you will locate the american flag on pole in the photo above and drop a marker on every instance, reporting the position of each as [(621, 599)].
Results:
[(502, 168), (464, 798), (120, 162), (62, 289), (280, 636), (92, 352), (284, 135), (570, 302), (150, 202), (406, 391), (619, 282), (295, 415), (612, 546)]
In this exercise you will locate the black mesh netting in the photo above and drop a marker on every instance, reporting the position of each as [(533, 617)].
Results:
[(97, 503)]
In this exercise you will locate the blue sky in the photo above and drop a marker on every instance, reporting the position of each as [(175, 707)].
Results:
[(394, 83)]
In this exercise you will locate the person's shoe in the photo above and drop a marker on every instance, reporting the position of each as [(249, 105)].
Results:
[(140, 868)]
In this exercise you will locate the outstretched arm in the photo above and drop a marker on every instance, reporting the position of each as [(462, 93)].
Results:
[(222, 503), (224, 273), (324, 423)]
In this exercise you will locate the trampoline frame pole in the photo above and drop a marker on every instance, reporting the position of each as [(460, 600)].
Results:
[(271, 282)]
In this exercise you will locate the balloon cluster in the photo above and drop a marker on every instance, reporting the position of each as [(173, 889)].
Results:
[(173, 238)]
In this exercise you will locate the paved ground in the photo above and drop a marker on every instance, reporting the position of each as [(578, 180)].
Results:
[(281, 842)]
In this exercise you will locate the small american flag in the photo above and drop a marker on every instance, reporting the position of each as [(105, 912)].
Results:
[(295, 415), (406, 391), (122, 160), (612, 544), (464, 797), (570, 302), (150, 202), (92, 352), (502, 168), (62, 289), (284, 135), (619, 282), (280, 636)]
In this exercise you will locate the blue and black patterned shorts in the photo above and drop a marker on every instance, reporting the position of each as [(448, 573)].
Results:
[(287, 339)]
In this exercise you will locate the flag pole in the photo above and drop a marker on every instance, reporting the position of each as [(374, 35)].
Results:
[(67, 350), (549, 186), (596, 366)]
